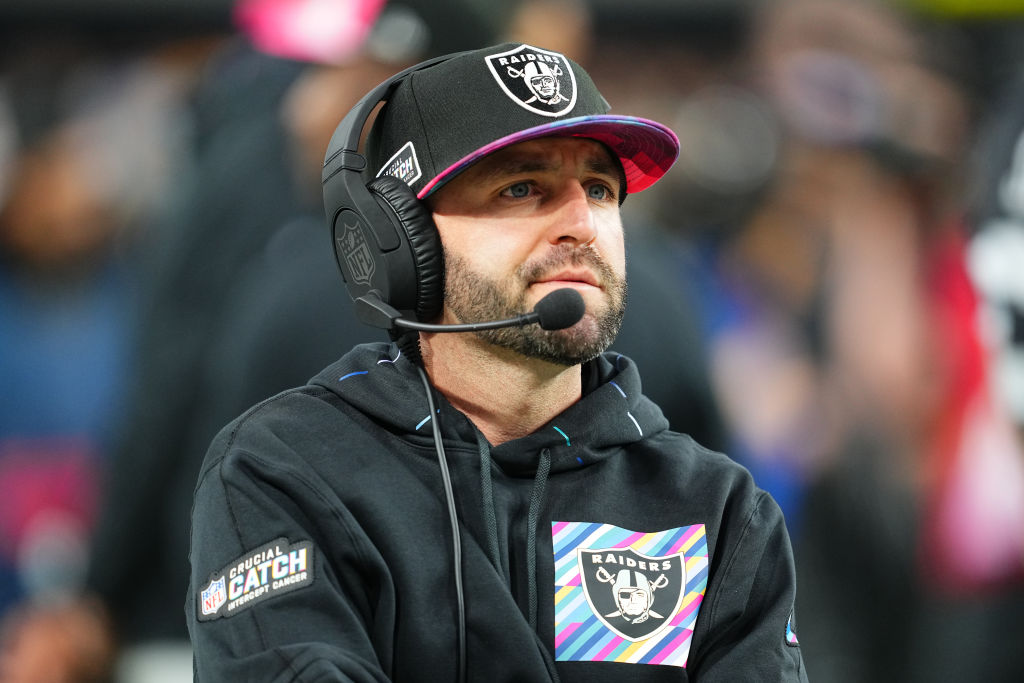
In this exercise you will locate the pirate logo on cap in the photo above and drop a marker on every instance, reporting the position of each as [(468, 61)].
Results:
[(537, 80)]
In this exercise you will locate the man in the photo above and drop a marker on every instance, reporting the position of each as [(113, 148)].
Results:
[(326, 544)]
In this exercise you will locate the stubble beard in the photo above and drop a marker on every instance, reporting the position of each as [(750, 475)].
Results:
[(474, 297)]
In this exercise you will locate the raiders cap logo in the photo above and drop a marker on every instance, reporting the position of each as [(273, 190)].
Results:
[(537, 80)]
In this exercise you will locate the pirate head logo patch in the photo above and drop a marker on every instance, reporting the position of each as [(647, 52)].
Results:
[(627, 596), (352, 245), (537, 80), (632, 593)]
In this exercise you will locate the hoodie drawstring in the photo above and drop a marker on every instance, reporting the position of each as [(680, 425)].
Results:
[(487, 496), (540, 481)]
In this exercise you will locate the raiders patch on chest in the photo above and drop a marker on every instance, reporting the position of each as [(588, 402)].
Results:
[(272, 569), (627, 596)]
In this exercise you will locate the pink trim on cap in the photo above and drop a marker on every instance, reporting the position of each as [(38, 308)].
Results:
[(646, 149)]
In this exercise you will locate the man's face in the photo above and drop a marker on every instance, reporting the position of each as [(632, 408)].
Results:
[(532, 218)]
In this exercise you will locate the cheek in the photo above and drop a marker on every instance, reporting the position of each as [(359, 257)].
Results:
[(613, 248), (486, 246)]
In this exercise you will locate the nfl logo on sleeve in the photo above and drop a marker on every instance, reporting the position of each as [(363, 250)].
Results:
[(214, 596)]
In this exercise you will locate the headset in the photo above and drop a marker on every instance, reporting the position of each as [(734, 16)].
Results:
[(385, 241)]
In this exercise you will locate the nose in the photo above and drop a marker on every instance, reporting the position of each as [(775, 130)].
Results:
[(574, 221)]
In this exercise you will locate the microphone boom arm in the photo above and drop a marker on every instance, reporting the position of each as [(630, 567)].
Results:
[(556, 311)]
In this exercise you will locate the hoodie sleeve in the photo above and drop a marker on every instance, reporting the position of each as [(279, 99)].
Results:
[(749, 634), (265, 603)]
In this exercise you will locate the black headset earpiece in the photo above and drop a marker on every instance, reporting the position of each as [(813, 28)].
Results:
[(385, 241), (416, 228)]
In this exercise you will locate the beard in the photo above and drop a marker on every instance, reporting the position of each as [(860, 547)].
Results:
[(474, 297)]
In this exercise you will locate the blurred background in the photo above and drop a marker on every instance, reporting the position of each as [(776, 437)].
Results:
[(828, 286)]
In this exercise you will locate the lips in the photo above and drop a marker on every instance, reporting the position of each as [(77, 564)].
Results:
[(581, 276)]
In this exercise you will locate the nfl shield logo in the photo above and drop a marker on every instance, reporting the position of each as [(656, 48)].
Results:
[(634, 595), (214, 596), (357, 254), (538, 80)]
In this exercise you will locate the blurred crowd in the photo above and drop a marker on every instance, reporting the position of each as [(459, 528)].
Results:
[(828, 286)]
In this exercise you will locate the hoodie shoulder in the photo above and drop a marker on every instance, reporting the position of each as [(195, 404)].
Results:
[(372, 385), (275, 417), (707, 469)]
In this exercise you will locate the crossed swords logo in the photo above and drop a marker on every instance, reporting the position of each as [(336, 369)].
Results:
[(662, 581)]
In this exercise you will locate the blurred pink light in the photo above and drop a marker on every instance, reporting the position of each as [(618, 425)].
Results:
[(326, 31)]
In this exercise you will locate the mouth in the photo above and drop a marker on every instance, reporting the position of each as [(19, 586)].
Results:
[(570, 278)]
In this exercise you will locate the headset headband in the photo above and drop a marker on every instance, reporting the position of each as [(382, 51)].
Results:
[(343, 149)]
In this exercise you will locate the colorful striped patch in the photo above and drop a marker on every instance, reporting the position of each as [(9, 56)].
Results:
[(627, 596)]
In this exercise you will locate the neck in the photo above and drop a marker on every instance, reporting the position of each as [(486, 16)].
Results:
[(506, 395)]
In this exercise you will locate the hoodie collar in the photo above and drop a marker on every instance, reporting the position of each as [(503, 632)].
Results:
[(378, 381)]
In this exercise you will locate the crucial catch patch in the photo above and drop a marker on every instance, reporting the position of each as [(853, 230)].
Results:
[(272, 569)]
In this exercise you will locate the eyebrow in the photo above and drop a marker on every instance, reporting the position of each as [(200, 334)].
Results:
[(519, 166), (598, 164), (605, 166)]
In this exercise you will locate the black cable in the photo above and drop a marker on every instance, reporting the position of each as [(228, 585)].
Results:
[(453, 517)]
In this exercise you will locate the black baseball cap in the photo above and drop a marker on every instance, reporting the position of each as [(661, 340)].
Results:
[(442, 119)]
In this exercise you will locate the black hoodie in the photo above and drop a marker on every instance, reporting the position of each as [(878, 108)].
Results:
[(602, 547)]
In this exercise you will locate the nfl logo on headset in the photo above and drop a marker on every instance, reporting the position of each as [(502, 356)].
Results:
[(357, 254), (538, 80), (214, 596)]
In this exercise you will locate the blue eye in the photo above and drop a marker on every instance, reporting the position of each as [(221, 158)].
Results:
[(518, 190), (599, 192)]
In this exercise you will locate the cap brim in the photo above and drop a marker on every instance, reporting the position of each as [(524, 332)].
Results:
[(646, 149)]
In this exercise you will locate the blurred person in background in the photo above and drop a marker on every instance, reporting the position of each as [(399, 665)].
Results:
[(845, 351), (89, 134)]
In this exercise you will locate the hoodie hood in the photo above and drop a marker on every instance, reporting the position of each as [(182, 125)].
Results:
[(384, 385)]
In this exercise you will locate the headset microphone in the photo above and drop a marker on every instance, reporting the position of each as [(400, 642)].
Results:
[(558, 310)]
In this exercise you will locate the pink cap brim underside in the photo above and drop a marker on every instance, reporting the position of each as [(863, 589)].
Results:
[(646, 149)]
